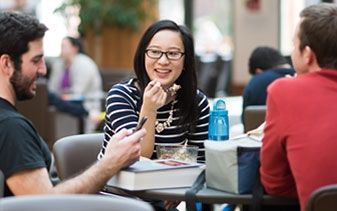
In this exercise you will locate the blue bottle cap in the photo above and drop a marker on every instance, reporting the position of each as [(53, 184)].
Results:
[(219, 108), (219, 105)]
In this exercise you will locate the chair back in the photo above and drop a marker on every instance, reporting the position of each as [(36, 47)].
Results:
[(48, 121), (254, 116), (37, 111), (113, 76), (323, 199), (71, 202), (2, 184), (75, 153)]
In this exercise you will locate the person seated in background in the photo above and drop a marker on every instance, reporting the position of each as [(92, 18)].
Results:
[(298, 153), (266, 64), (71, 107), (75, 76), (24, 157)]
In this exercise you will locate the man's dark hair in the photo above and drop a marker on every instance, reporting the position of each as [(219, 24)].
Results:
[(16, 31), (318, 30), (265, 58)]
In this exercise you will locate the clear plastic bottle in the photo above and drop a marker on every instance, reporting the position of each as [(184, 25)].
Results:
[(218, 127)]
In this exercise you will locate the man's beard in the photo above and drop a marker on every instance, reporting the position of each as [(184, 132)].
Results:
[(21, 86)]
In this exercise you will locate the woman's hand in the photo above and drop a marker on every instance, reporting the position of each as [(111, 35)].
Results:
[(154, 96)]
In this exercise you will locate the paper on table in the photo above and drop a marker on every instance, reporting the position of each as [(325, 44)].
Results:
[(256, 134)]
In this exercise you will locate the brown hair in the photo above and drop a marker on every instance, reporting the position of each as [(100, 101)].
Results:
[(318, 30)]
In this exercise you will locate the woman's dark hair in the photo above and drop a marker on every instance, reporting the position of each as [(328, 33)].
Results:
[(186, 96), (77, 43)]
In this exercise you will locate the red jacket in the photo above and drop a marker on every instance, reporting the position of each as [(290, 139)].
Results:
[(299, 151)]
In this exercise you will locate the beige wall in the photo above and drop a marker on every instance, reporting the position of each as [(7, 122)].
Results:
[(252, 29)]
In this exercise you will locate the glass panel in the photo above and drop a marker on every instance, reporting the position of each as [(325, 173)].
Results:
[(213, 31), (290, 11)]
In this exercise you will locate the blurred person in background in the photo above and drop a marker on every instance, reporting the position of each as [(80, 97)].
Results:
[(75, 77), (266, 64)]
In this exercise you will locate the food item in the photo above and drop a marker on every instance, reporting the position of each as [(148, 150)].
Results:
[(173, 89), (182, 153)]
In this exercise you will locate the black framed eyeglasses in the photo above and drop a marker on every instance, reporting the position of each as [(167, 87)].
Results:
[(170, 55)]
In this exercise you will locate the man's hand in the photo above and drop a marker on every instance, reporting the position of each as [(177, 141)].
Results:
[(123, 148)]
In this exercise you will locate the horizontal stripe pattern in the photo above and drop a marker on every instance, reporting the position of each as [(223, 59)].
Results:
[(122, 111)]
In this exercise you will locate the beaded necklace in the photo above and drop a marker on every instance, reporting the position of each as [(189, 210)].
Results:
[(162, 126)]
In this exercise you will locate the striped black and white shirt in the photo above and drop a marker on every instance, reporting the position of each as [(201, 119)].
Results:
[(123, 105)]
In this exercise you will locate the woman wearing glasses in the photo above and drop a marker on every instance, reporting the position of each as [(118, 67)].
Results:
[(165, 91)]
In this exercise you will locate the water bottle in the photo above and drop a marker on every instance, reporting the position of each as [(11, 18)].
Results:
[(218, 128)]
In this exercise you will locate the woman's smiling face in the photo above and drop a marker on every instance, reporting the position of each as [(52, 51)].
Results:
[(162, 69)]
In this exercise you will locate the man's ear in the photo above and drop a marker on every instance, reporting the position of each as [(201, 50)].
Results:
[(309, 56), (6, 65)]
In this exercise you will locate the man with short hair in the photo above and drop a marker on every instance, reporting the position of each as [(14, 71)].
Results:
[(266, 64), (298, 154), (24, 156)]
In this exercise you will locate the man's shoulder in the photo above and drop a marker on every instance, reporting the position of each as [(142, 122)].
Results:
[(270, 75), (10, 120), (259, 81), (9, 115), (284, 85)]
